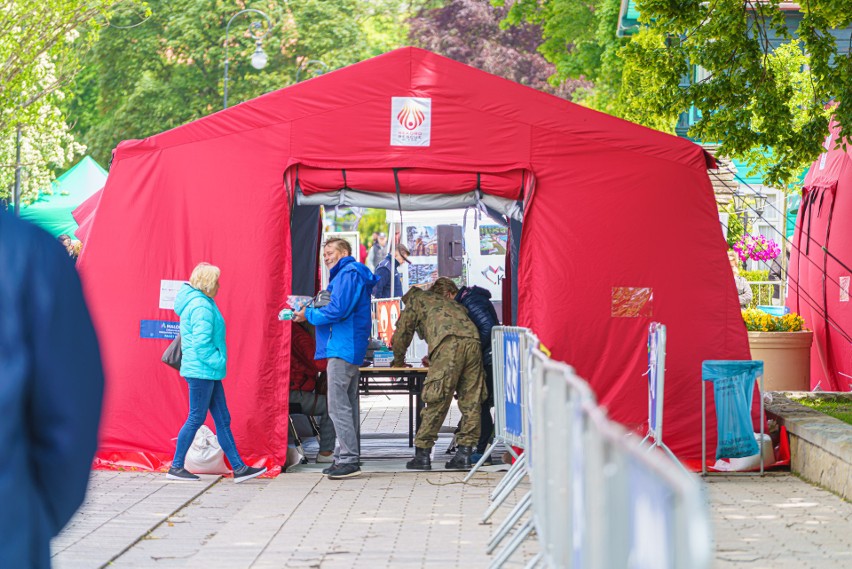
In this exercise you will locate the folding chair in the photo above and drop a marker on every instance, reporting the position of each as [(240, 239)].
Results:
[(296, 409), (733, 387)]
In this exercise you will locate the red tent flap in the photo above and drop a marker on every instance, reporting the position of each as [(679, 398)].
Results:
[(412, 181)]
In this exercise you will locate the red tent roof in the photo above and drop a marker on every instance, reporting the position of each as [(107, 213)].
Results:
[(614, 209)]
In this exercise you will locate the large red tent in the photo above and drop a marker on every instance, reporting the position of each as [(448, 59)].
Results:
[(620, 228), (820, 261)]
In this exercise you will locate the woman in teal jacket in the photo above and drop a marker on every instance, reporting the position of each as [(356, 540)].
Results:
[(203, 365)]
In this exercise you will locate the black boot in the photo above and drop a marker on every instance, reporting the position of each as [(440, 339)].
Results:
[(461, 461), (421, 460)]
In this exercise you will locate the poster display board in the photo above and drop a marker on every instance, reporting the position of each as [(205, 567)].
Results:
[(387, 313), (354, 241)]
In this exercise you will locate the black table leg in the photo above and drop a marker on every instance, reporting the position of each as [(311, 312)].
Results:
[(410, 420)]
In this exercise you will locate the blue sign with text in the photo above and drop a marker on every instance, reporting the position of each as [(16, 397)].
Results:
[(159, 329), (512, 382)]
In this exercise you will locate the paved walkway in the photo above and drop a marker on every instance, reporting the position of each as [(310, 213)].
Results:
[(139, 520)]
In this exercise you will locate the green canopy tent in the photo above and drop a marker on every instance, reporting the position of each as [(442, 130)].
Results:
[(52, 212), (793, 203)]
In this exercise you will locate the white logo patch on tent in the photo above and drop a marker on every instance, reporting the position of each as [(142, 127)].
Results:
[(411, 121)]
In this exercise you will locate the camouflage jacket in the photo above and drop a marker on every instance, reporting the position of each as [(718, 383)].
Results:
[(434, 318)]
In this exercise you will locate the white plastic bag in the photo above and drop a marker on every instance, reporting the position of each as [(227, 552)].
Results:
[(205, 456)]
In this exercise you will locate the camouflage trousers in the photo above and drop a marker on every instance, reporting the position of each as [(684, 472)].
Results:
[(455, 367)]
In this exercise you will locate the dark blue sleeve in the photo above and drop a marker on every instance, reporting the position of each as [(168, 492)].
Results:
[(384, 282), (66, 381), (484, 317)]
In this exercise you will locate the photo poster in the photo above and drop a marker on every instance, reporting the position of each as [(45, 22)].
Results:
[(422, 275), (487, 261), (493, 240), (422, 240), (419, 233), (354, 240)]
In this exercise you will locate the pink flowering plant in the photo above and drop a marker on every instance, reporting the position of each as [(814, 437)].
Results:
[(758, 248)]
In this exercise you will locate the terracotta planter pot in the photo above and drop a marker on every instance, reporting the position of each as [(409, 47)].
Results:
[(786, 359)]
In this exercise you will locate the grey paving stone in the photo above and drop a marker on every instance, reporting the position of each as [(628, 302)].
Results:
[(406, 520), (120, 509)]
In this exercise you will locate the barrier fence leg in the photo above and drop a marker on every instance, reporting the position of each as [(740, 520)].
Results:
[(485, 456), (519, 466), (519, 510), (534, 561), (517, 539), (504, 493)]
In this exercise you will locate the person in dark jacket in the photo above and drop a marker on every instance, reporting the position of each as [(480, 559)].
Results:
[(383, 272), (477, 301), (455, 367), (304, 371), (51, 390), (348, 313)]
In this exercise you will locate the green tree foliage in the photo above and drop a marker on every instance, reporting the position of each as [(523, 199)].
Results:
[(766, 87), (169, 70), (46, 143), (42, 43), (578, 38), (470, 31), (373, 221), (736, 229), (768, 84)]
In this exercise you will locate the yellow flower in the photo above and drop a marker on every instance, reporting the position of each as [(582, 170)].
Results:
[(759, 321)]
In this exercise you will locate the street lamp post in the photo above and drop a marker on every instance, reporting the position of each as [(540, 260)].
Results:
[(258, 58), (306, 64)]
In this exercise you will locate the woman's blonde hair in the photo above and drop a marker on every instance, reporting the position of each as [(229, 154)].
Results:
[(204, 277), (733, 256)]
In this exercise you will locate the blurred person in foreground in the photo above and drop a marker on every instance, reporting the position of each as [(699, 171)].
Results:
[(203, 366), (51, 389), (455, 367), (348, 314), (477, 302)]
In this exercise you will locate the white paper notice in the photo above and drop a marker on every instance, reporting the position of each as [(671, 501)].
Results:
[(411, 121), (168, 291), (844, 289)]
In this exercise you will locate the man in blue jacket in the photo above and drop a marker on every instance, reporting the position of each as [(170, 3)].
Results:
[(343, 330), (51, 387)]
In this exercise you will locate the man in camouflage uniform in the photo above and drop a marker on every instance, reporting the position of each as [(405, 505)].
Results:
[(455, 366)]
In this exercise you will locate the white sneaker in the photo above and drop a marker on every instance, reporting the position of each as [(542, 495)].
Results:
[(321, 458)]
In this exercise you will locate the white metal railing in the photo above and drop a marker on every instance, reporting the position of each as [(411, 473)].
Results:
[(598, 499), (768, 293)]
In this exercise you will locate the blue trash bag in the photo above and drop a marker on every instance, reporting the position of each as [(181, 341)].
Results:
[(733, 389)]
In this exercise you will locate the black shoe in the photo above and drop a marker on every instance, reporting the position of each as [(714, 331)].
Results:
[(181, 474), (453, 446), (329, 468), (421, 461), (247, 473), (462, 459), (339, 471)]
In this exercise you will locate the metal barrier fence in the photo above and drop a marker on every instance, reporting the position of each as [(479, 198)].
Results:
[(599, 500), (510, 346)]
